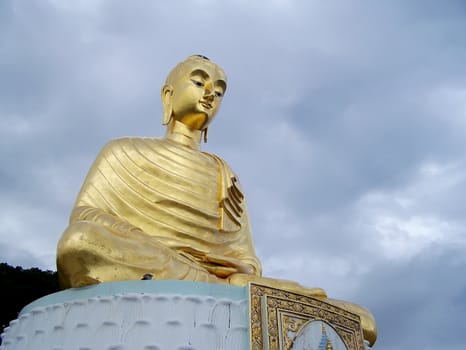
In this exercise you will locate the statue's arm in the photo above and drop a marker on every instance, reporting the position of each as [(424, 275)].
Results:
[(250, 262), (89, 205), (243, 252), (246, 261)]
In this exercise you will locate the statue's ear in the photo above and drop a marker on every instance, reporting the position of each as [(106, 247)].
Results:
[(166, 94)]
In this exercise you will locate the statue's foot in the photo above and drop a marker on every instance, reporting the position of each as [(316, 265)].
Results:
[(368, 324), (242, 279)]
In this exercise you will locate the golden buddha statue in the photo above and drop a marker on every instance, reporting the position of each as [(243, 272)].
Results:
[(160, 207)]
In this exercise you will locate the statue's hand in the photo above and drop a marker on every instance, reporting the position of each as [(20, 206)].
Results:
[(245, 268), (238, 265)]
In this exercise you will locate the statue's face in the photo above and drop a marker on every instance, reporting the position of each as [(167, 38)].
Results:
[(197, 94)]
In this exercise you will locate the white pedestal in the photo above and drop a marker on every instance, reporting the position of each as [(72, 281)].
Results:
[(181, 315), (149, 315)]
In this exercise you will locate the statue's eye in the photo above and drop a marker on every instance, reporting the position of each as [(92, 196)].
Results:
[(218, 94), (197, 82)]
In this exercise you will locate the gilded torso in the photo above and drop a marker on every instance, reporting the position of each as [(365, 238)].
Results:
[(186, 199)]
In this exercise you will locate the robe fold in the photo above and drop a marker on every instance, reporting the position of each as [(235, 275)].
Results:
[(172, 196)]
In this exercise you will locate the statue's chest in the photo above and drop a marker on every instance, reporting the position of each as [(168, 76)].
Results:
[(185, 177)]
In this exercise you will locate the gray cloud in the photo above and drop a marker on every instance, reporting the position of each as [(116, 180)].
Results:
[(419, 302), (344, 122)]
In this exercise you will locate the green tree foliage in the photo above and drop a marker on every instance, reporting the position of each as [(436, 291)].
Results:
[(21, 286)]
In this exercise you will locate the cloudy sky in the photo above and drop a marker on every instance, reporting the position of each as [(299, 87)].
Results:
[(344, 120)]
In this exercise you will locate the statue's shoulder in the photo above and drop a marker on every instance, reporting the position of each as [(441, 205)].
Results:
[(131, 140), (224, 167), (120, 148), (129, 143), (220, 161)]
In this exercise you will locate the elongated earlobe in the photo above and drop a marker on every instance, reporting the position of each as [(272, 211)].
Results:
[(167, 93), (205, 134), (167, 115)]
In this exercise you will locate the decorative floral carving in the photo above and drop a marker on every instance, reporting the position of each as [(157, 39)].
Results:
[(278, 315)]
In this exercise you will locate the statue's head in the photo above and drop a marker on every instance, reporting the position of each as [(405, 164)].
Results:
[(193, 92)]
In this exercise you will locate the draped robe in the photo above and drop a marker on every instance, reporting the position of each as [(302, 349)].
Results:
[(156, 206)]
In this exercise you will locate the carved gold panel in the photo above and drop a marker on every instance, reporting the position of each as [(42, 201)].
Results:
[(278, 316)]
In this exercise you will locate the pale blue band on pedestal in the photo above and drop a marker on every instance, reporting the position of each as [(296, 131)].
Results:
[(144, 287)]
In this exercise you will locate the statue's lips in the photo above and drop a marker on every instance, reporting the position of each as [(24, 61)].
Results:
[(206, 105)]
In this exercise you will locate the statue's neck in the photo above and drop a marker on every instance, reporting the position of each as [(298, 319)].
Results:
[(180, 133)]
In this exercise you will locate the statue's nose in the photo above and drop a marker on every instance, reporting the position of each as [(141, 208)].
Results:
[(209, 93)]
